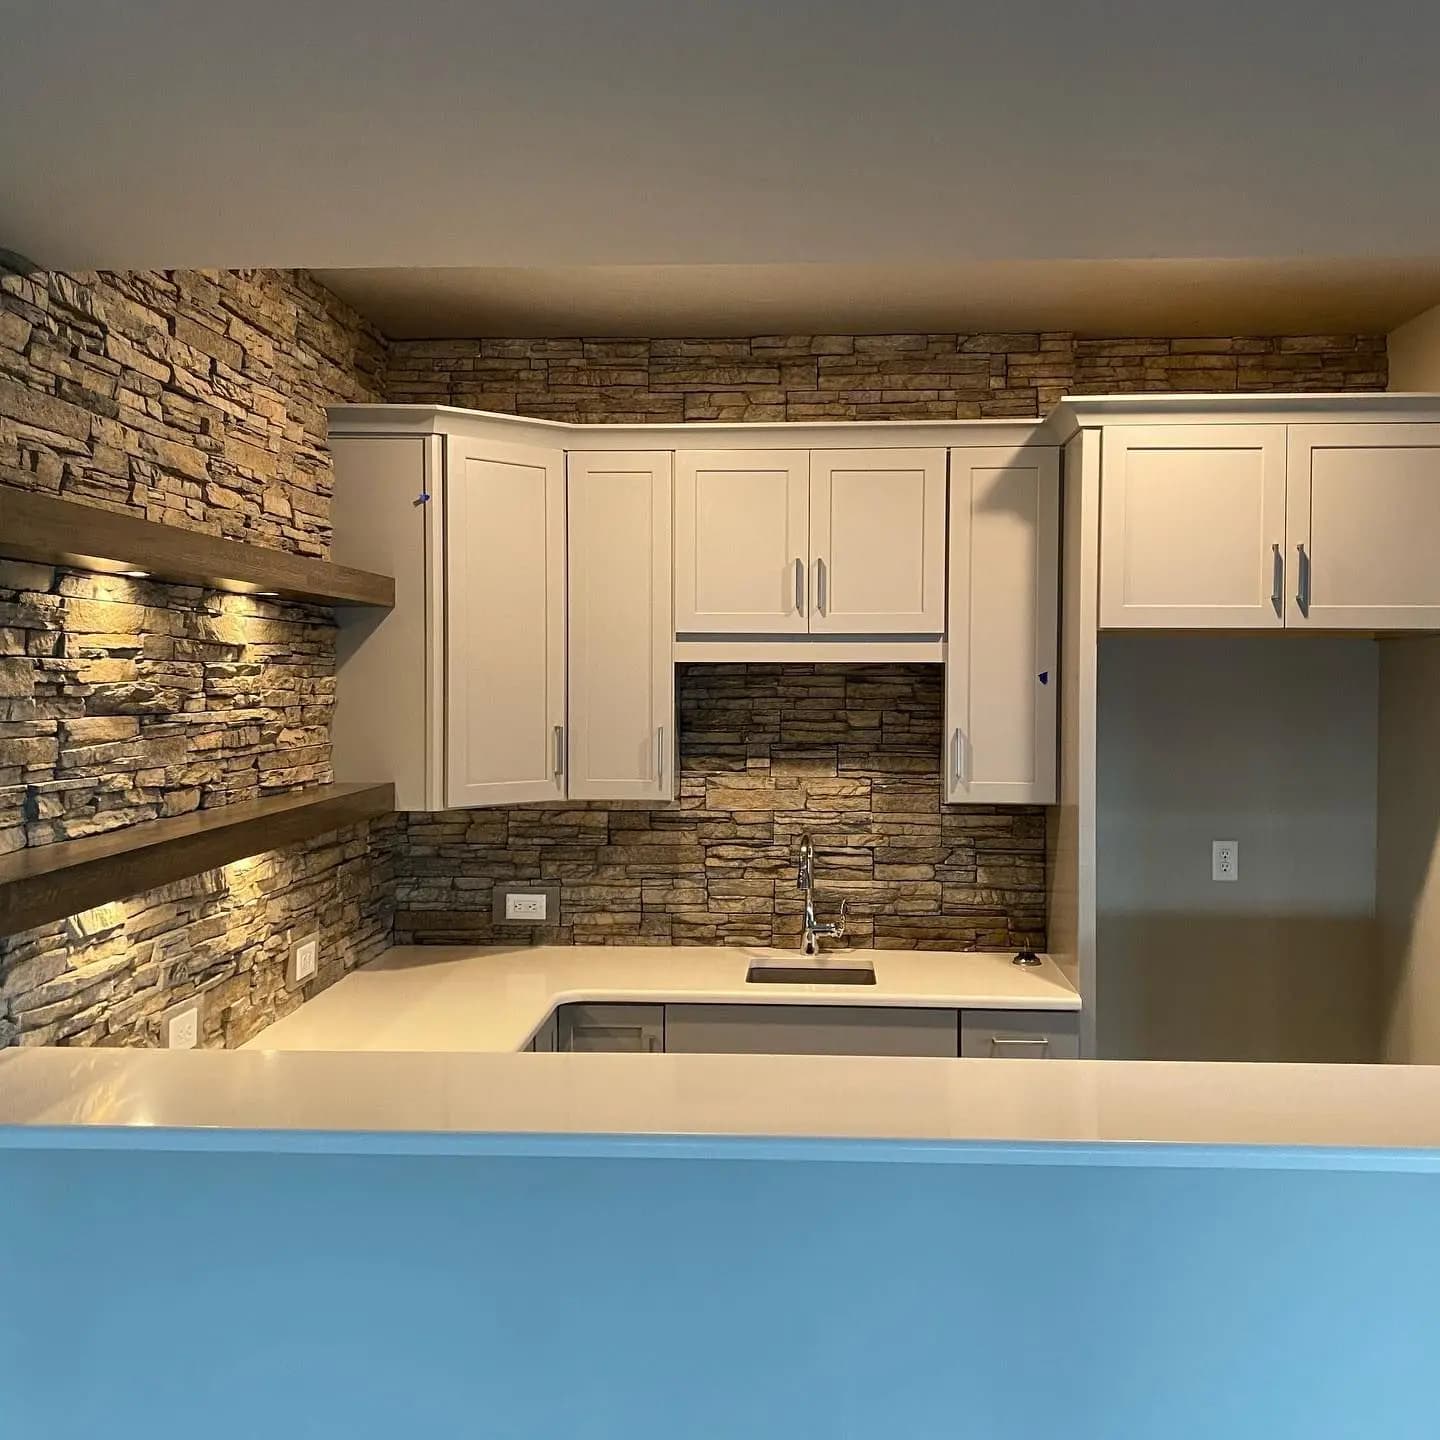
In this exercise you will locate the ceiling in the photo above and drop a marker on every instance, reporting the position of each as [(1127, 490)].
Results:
[(544, 136), (1089, 297)]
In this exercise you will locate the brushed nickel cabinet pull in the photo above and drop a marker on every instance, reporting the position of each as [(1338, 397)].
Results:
[(799, 586), (997, 1040), (660, 755), (1277, 586), (822, 587), (559, 751), (1302, 586), (957, 756)]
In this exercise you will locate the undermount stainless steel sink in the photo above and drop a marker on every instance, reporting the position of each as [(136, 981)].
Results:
[(768, 972)]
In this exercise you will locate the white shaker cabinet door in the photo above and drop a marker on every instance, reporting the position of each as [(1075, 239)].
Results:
[(504, 623), (1192, 527), (1000, 681), (1364, 527), (742, 541), (877, 538), (622, 626)]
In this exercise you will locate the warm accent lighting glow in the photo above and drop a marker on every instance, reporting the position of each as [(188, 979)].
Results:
[(136, 574)]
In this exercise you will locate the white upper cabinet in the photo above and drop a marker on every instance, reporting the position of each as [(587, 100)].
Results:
[(622, 627), (388, 518), (1363, 506), (877, 542), (1192, 527), (794, 542), (742, 541), (1000, 681), (504, 623)]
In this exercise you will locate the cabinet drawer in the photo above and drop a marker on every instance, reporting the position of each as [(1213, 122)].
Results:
[(1020, 1035), (627, 1029), (808, 1030)]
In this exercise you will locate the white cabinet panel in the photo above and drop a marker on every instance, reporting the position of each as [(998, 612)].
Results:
[(622, 626), (877, 537), (1192, 524), (742, 541), (1363, 506), (504, 624), (395, 653), (1000, 682)]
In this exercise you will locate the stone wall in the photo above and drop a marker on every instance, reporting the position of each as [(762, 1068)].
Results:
[(857, 377), (851, 753), (197, 400)]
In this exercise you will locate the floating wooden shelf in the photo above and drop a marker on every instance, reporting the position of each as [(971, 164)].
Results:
[(49, 882), (59, 532)]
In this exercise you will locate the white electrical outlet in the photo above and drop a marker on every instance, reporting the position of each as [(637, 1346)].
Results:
[(182, 1026), (1224, 859), (525, 907), (304, 959)]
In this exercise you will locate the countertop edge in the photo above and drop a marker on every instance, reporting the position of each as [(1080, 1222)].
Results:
[(701, 1146)]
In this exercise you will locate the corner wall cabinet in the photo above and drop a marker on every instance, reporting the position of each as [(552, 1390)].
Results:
[(1266, 526), (529, 655)]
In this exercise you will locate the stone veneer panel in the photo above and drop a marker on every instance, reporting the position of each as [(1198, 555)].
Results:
[(851, 753), (857, 377), (198, 400)]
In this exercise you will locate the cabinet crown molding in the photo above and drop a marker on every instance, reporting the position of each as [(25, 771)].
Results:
[(486, 425), (1070, 415), (1341, 408)]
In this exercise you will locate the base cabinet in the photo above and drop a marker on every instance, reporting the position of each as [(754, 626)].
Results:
[(1020, 1035), (617, 1029), (808, 1030), (720, 1029)]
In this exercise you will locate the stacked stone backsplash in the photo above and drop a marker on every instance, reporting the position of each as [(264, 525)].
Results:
[(851, 753), (198, 400), (857, 377)]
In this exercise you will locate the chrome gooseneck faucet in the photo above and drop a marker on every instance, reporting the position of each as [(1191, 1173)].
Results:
[(805, 880)]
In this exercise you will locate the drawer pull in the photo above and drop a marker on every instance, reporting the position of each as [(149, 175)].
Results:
[(1277, 588), (799, 587), (1039, 1040)]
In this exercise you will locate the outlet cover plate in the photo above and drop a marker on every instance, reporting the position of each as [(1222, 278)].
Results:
[(304, 959), (546, 900), (1225, 860), (180, 1029)]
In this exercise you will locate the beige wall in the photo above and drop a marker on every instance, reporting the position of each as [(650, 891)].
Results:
[(1271, 741), (1408, 896), (1415, 353)]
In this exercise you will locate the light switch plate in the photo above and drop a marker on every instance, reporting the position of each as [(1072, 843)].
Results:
[(180, 1029), (304, 959), (520, 904)]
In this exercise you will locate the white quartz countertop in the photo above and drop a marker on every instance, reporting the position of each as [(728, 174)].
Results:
[(494, 998), (717, 1106)]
